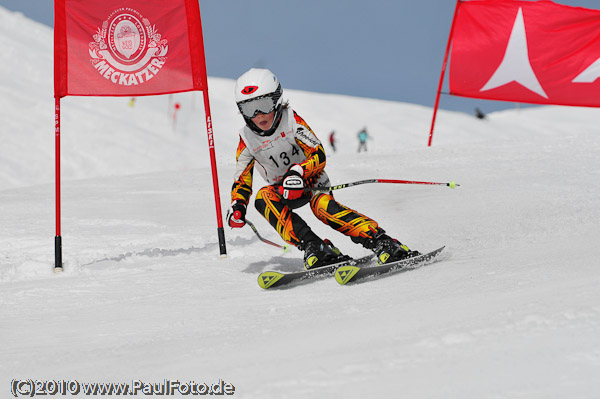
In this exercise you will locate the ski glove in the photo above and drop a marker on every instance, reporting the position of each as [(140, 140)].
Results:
[(236, 216), (292, 186)]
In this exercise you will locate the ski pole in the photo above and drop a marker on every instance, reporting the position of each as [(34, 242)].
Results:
[(452, 184), (285, 248)]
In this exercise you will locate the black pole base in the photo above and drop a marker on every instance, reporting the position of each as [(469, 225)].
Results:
[(58, 266), (222, 247)]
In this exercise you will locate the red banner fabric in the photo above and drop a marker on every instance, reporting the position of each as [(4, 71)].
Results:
[(127, 47), (526, 51)]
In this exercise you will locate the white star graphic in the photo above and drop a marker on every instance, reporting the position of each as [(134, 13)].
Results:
[(515, 66), (590, 74)]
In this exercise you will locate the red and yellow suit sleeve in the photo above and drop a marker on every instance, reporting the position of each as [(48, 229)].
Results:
[(315, 155), (242, 184)]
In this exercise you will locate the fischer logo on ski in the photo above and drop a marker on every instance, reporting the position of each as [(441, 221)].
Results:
[(267, 279), (271, 279), (345, 274), (351, 274)]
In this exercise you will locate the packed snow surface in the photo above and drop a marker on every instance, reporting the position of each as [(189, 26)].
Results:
[(512, 310)]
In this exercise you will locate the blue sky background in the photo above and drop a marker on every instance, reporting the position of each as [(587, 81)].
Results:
[(386, 49)]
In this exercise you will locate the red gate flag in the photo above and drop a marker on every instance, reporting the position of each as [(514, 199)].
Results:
[(127, 47), (527, 51)]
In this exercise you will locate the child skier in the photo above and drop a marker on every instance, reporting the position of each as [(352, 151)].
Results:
[(290, 157)]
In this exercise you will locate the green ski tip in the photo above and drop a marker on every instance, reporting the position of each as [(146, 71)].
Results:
[(345, 274), (267, 279)]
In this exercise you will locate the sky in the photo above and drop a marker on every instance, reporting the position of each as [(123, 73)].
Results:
[(384, 49)]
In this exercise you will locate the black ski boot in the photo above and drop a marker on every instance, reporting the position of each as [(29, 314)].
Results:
[(389, 249), (321, 253)]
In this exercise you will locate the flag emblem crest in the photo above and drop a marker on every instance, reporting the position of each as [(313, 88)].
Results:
[(127, 49), (127, 36)]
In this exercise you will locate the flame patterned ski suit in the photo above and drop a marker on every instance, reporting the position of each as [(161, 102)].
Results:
[(293, 143)]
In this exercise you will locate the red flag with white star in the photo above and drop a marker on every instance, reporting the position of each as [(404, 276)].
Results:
[(128, 47), (526, 51)]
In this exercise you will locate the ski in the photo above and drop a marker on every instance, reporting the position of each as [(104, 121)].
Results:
[(272, 279), (347, 274)]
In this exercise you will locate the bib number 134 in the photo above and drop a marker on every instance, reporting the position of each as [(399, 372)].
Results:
[(284, 158)]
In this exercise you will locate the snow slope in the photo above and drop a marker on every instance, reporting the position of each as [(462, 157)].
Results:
[(513, 311)]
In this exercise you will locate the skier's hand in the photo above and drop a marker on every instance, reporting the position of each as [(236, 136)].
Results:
[(292, 185), (236, 216)]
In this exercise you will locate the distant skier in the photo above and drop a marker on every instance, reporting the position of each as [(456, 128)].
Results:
[(362, 139), (332, 140), (290, 158)]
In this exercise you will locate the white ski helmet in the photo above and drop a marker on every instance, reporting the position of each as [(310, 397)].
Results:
[(259, 90)]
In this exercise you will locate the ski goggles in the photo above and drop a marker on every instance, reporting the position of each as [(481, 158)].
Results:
[(251, 108)]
